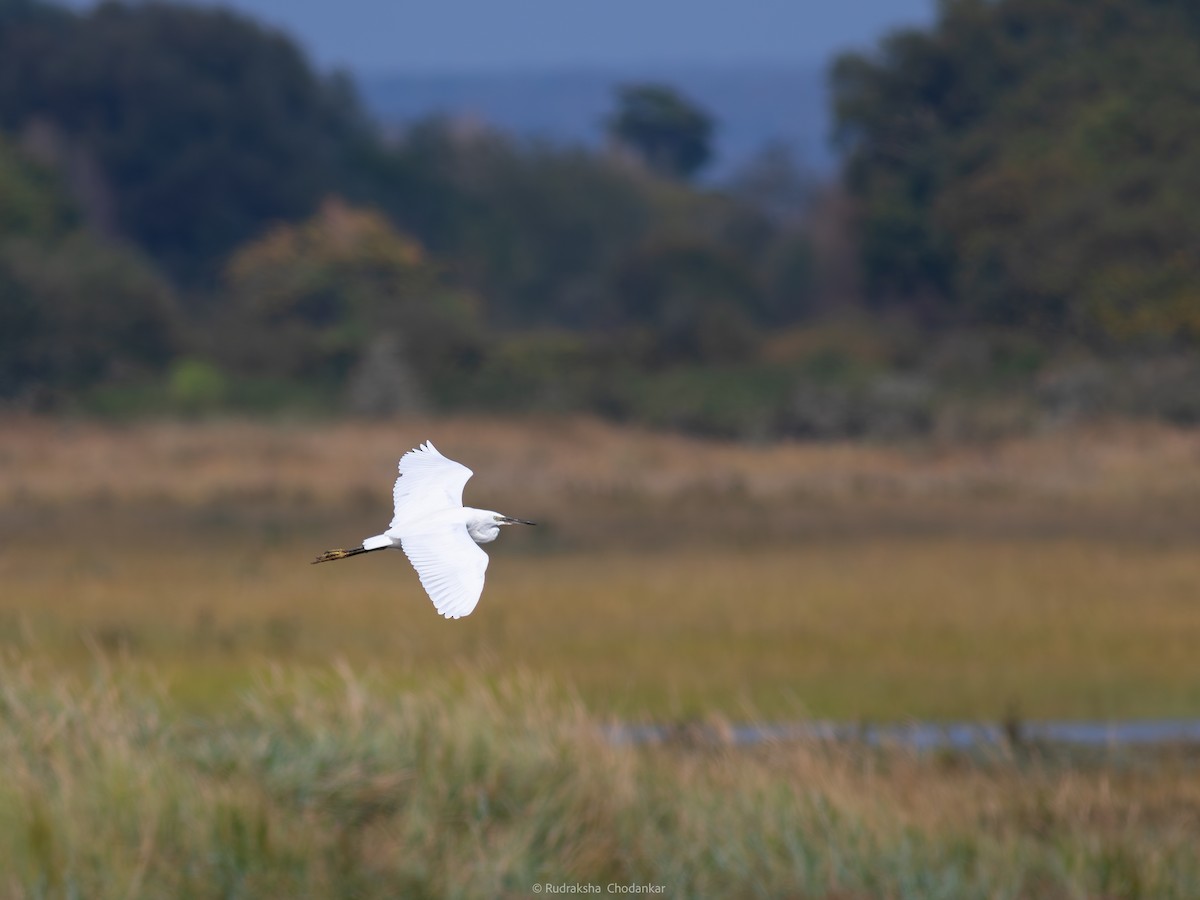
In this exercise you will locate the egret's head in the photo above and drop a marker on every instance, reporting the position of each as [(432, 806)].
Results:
[(484, 525)]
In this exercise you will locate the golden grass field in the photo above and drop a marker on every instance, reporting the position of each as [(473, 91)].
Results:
[(670, 578), (190, 709)]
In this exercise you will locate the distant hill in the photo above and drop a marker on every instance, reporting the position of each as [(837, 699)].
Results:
[(753, 105)]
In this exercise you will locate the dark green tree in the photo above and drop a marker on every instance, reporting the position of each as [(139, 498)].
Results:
[(32, 202), (74, 309), (669, 133), (532, 227), (693, 300), (306, 301), (93, 312), (1025, 162), (204, 125)]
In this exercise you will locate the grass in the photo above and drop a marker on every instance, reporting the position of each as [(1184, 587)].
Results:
[(552, 463), (878, 628), (190, 709), (332, 785)]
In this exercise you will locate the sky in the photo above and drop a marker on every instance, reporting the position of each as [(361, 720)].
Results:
[(377, 36)]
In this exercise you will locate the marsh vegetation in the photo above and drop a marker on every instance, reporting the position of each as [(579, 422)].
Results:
[(192, 710)]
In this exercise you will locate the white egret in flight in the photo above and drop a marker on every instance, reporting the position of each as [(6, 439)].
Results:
[(436, 532)]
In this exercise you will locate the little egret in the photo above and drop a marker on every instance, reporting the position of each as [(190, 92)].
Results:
[(436, 532)]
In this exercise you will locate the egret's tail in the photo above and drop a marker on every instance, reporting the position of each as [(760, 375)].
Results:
[(329, 555)]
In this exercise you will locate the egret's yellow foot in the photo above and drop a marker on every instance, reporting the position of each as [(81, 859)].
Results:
[(330, 555)]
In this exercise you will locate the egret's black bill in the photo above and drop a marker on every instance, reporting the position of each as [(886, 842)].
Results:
[(509, 520)]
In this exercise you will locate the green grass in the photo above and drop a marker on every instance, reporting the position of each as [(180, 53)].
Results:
[(334, 785)]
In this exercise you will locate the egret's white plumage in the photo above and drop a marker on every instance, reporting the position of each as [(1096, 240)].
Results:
[(428, 482), (437, 533)]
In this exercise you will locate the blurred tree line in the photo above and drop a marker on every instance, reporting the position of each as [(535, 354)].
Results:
[(192, 218), (1032, 163)]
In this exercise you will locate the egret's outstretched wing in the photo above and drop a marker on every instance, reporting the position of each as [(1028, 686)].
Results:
[(451, 568), (428, 482)]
